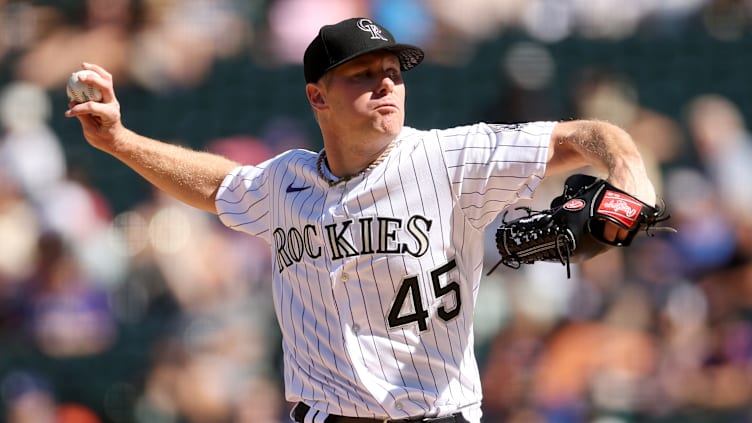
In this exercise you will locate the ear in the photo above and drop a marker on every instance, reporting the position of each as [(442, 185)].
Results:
[(316, 96)]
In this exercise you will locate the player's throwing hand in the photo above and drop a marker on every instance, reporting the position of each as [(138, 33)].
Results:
[(100, 121)]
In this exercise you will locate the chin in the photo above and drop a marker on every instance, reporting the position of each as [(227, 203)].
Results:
[(390, 132), (391, 126)]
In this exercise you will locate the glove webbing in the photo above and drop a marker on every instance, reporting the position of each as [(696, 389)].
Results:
[(544, 240)]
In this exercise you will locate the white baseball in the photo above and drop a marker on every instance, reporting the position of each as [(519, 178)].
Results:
[(80, 92)]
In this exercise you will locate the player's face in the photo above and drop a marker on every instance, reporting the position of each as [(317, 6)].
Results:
[(367, 94)]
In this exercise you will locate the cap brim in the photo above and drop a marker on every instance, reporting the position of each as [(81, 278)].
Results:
[(409, 56)]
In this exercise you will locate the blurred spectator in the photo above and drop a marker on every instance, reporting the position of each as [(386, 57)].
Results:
[(711, 348), (180, 40), (705, 238), (28, 398), (726, 19), (218, 347), (99, 33), (263, 403), (294, 23), (409, 20), (73, 209), (477, 19), (205, 382), (252, 150), (598, 365), (66, 314), (512, 359), (724, 144), (600, 94), (19, 229), (75, 413), (30, 151), (23, 24), (526, 70), (458, 27), (281, 134)]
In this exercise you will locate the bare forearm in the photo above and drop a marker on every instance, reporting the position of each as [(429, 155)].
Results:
[(192, 177), (605, 147)]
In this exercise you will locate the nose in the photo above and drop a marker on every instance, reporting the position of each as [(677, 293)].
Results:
[(386, 85)]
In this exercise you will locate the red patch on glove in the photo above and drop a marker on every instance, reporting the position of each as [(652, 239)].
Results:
[(621, 207)]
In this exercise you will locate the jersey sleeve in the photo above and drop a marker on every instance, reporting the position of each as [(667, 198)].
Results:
[(242, 200), (491, 166)]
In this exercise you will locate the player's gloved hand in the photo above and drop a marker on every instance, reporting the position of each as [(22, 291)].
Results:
[(589, 217)]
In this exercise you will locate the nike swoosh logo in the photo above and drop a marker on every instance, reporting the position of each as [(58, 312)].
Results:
[(291, 188)]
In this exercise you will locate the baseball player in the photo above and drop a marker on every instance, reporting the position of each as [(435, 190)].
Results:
[(377, 239)]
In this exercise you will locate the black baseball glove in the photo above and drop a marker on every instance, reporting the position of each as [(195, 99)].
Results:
[(572, 230)]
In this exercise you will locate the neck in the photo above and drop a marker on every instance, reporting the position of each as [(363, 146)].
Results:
[(324, 160), (348, 159)]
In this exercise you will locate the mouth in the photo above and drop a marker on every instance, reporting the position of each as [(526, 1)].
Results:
[(387, 107)]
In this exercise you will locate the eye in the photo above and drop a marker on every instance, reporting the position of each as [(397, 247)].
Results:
[(363, 75)]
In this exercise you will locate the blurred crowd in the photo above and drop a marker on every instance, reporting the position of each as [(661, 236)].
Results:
[(157, 313)]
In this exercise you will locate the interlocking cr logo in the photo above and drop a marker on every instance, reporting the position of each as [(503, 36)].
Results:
[(368, 26)]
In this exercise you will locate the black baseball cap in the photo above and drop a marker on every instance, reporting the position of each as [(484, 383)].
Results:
[(348, 39)]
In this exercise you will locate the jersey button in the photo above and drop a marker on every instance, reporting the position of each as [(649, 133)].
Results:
[(345, 277), (398, 405), (355, 329)]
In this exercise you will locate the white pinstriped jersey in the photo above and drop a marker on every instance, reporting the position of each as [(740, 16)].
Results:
[(376, 278)]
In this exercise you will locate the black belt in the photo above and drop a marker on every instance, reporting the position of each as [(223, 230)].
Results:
[(300, 411)]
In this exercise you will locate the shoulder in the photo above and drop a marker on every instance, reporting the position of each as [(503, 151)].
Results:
[(298, 160), (296, 154), (417, 135), (299, 157), (483, 130), (493, 133), (410, 133)]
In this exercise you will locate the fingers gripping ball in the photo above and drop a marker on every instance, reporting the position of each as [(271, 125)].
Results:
[(573, 229), (81, 92)]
